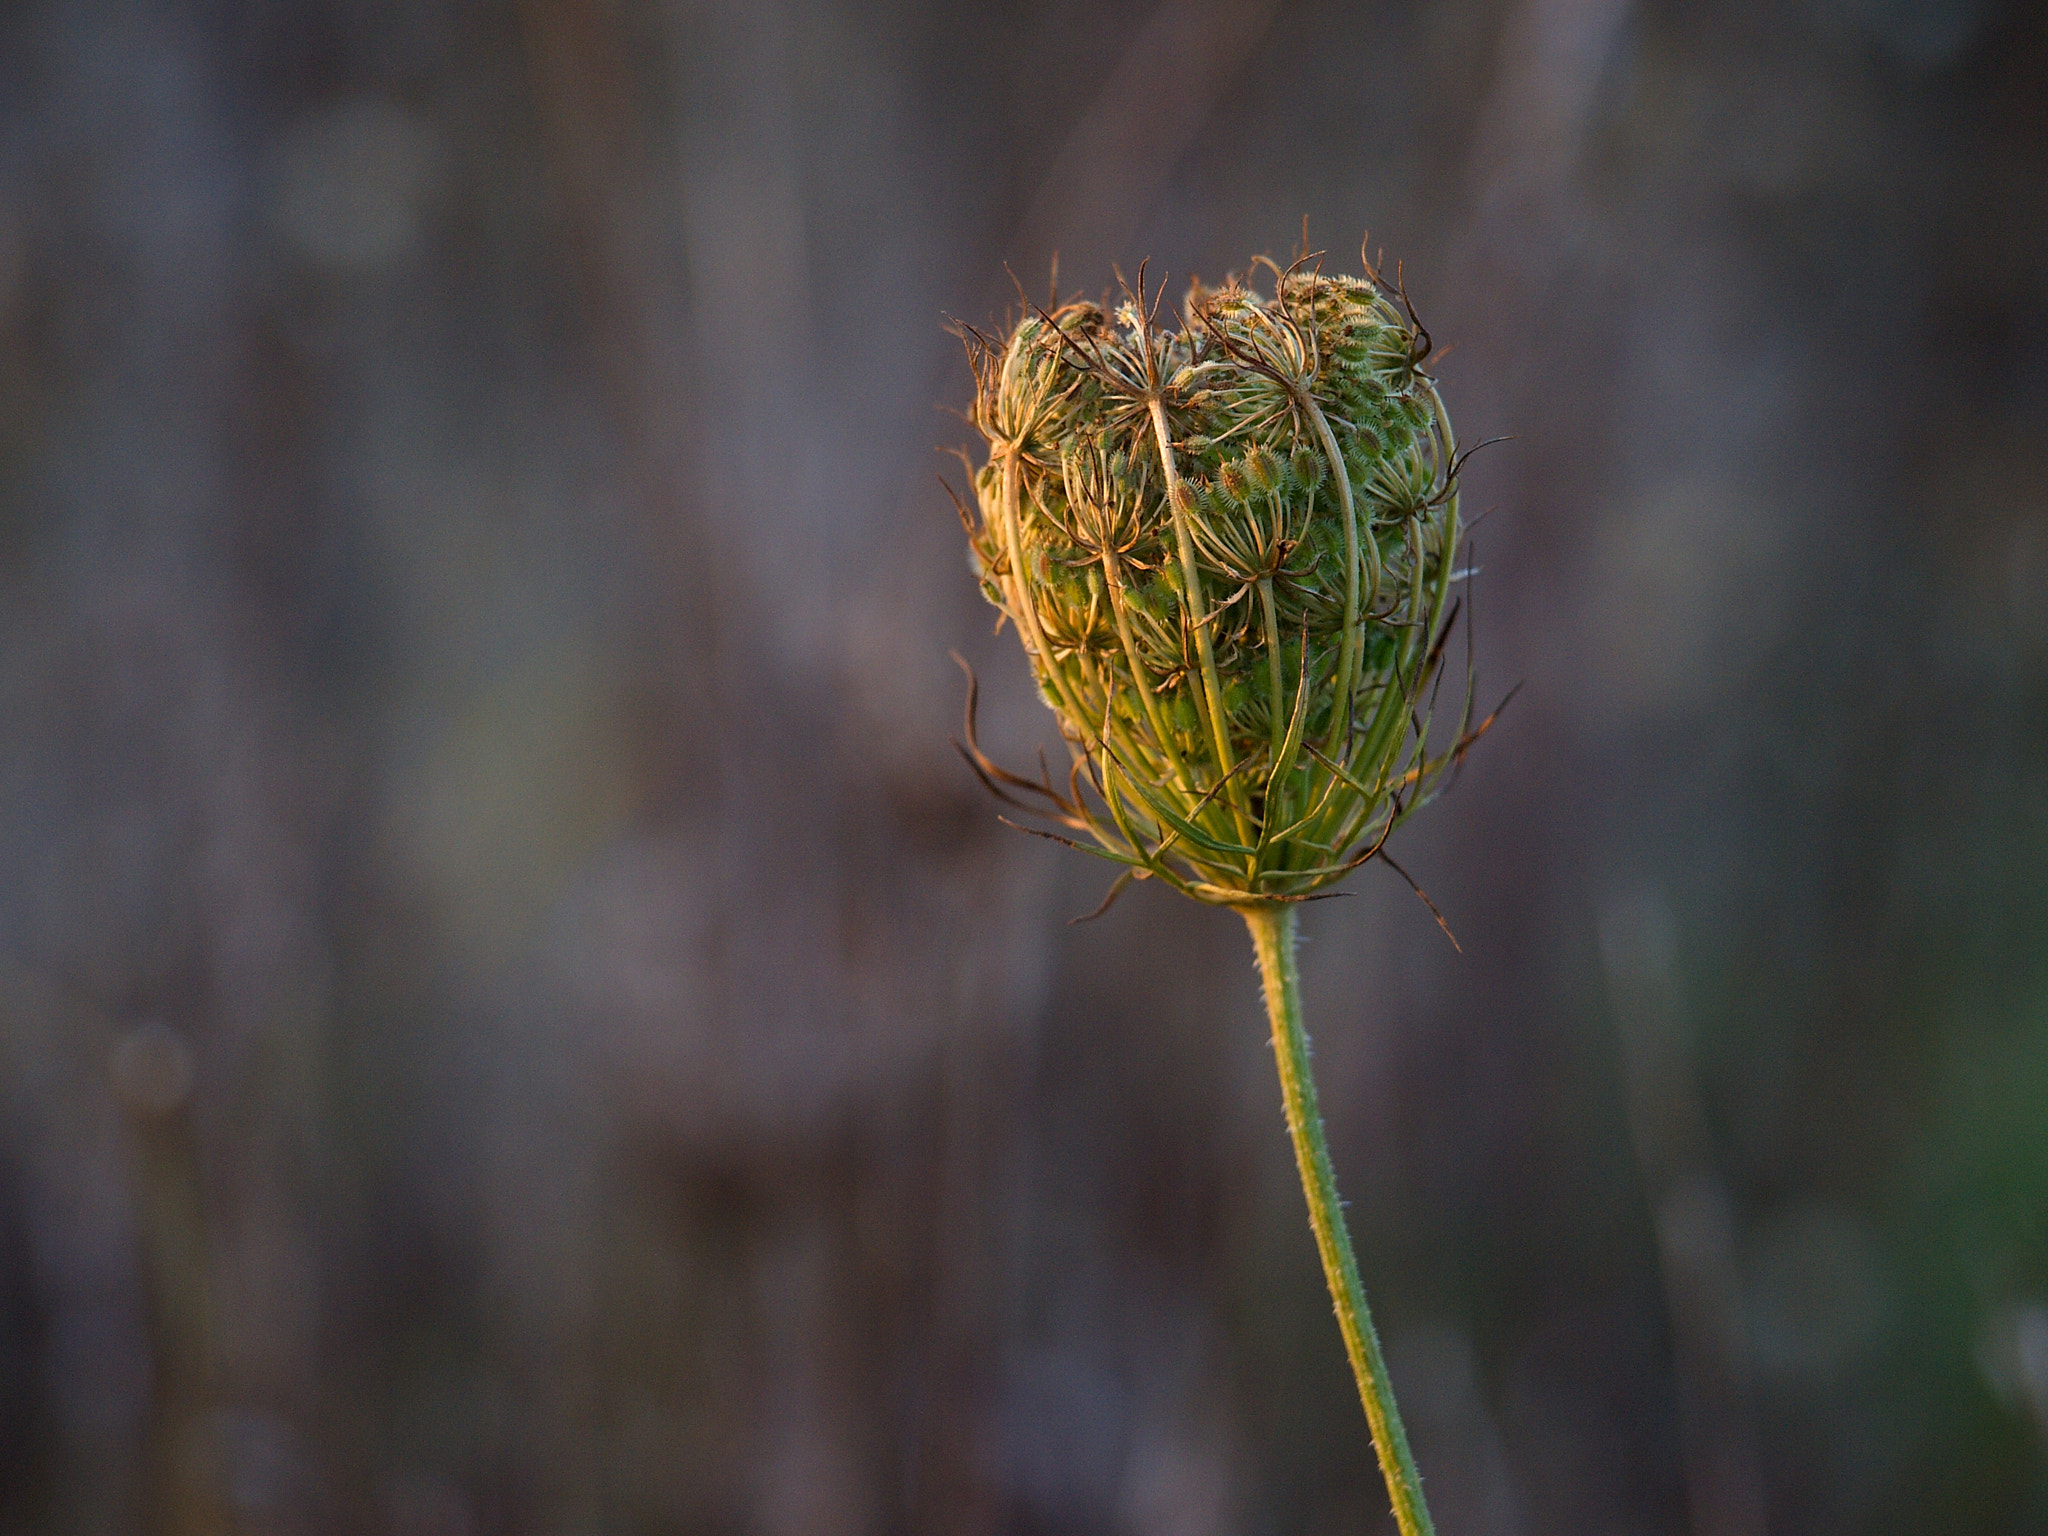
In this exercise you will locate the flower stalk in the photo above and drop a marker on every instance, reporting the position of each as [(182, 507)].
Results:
[(1273, 931)]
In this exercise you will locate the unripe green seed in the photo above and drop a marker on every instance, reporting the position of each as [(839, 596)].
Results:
[(1305, 467), (1233, 480)]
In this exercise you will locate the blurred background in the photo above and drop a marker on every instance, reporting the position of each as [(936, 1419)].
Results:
[(514, 1019)]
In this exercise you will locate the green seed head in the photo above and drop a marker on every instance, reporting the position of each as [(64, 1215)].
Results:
[(1228, 550)]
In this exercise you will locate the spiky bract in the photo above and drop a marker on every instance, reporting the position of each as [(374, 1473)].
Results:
[(1228, 550)]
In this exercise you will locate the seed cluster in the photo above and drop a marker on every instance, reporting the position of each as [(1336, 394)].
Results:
[(1228, 550)]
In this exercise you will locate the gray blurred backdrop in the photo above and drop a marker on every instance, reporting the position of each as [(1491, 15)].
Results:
[(513, 1018)]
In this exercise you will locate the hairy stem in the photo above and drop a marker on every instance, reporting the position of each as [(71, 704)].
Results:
[(1273, 929)]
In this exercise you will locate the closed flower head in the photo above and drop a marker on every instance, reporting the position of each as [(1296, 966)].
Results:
[(1228, 547)]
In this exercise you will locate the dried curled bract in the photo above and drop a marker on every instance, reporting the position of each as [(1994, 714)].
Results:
[(1228, 550)]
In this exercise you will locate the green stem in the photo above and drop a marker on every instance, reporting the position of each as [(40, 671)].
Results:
[(1347, 663), (1113, 578), (1276, 688), (1198, 615), (1273, 938)]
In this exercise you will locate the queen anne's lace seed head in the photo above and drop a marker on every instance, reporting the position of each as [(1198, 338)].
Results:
[(1228, 550)]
